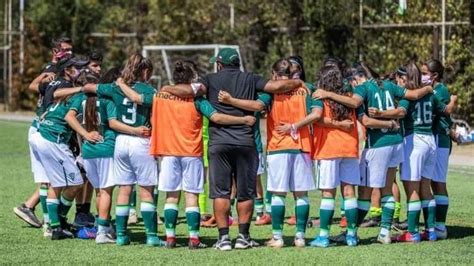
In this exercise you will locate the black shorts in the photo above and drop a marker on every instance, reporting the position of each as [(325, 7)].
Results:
[(231, 162)]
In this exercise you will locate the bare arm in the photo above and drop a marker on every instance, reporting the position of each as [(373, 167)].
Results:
[(42, 78), (224, 119), (418, 93), (451, 105), (140, 131), (287, 128), (396, 113), (375, 123), (129, 92), (185, 90), (282, 86), (349, 101), (249, 105), (346, 125), (90, 88), (71, 119), (66, 92)]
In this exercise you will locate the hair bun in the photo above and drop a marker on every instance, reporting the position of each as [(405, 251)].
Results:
[(179, 66)]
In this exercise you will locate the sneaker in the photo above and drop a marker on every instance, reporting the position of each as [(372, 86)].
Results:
[(122, 240), (408, 237), (47, 232), (170, 242), (27, 215), (87, 233), (384, 239), (441, 234), (82, 220), (351, 240), (195, 243), (343, 222), (264, 220), (275, 243), (243, 242), (429, 236), (132, 217), (155, 241), (291, 220), (300, 242), (104, 238), (341, 238), (59, 233), (372, 222), (400, 226), (322, 242), (223, 244), (210, 223)]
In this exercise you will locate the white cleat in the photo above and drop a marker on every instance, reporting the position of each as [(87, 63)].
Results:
[(104, 238)]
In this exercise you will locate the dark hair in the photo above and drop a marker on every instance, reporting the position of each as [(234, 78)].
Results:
[(87, 77), (95, 56), (134, 67), (56, 42), (297, 67), (111, 75), (282, 68), (91, 118), (365, 71), (184, 72), (330, 79), (436, 67), (335, 61), (413, 76)]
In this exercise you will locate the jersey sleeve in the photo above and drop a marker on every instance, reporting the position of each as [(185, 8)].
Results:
[(265, 98), (111, 110), (396, 90), (317, 104), (147, 93), (360, 91), (404, 103), (260, 82), (76, 103), (438, 106), (42, 88), (360, 111), (204, 107), (104, 90)]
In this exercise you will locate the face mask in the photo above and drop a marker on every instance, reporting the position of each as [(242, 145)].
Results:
[(296, 75), (76, 74), (426, 79)]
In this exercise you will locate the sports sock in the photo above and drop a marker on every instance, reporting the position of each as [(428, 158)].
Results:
[(375, 212), (193, 218), (244, 229), (326, 212), (388, 208), (103, 225), (132, 201), (351, 211), (121, 218), (155, 196), (398, 208), (171, 217), (223, 232), (362, 209), (343, 212), (278, 216), (203, 199), (442, 205), (302, 213), (53, 206), (64, 206), (259, 206), (43, 192), (268, 202), (148, 211), (429, 213), (413, 216)]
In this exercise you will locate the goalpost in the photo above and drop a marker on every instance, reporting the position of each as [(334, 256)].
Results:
[(163, 57)]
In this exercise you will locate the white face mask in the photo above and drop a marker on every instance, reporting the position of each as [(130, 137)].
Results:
[(426, 79)]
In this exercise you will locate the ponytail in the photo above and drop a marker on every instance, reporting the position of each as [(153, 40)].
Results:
[(134, 68), (90, 114)]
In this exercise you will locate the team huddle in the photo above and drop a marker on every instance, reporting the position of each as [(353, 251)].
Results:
[(200, 137)]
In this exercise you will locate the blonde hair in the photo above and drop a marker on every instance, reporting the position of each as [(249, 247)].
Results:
[(134, 68)]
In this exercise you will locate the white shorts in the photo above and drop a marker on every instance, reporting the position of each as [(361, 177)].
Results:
[(39, 174), (441, 166), (377, 162), (181, 173), (420, 157), (289, 172), (133, 163), (100, 172), (58, 159), (330, 173), (261, 164)]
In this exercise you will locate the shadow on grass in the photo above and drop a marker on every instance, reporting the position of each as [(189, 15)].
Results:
[(459, 232)]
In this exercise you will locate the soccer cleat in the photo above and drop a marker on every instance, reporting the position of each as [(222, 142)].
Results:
[(300, 242), (343, 222), (429, 236), (372, 222), (170, 242), (264, 220), (400, 226), (441, 234), (291, 220), (47, 232), (195, 243), (27, 215), (82, 220), (211, 222), (132, 217), (155, 241), (223, 244), (322, 242), (341, 238), (351, 240), (384, 239), (408, 237), (59, 233), (104, 238), (243, 242), (122, 240), (275, 243)]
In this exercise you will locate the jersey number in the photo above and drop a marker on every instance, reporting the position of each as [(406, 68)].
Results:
[(131, 116), (388, 101), (423, 113)]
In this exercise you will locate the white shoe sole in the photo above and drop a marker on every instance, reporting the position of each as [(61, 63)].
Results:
[(25, 218)]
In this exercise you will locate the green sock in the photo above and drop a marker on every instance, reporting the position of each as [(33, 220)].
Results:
[(193, 218), (362, 209), (121, 218), (155, 196), (148, 210), (171, 218), (326, 212), (375, 212), (132, 201), (302, 214), (388, 208), (429, 213), (414, 209), (53, 206), (268, 202), (43, 192), (278, 215), (259, 206), (64, 206), (103, 224), (398, 208), (343, 212), (203, 199), (442, 204), (351, 212)]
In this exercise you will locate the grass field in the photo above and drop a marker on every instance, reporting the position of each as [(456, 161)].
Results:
[(21, 244)]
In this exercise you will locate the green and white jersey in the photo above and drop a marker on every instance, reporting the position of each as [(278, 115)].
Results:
[(105, 111), (382, 98), (266, 100), (204, 107), (128, 112), (419, 117), (53, 126), (442, 123)]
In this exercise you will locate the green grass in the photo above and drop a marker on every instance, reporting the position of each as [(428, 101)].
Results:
[(22, 244)]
